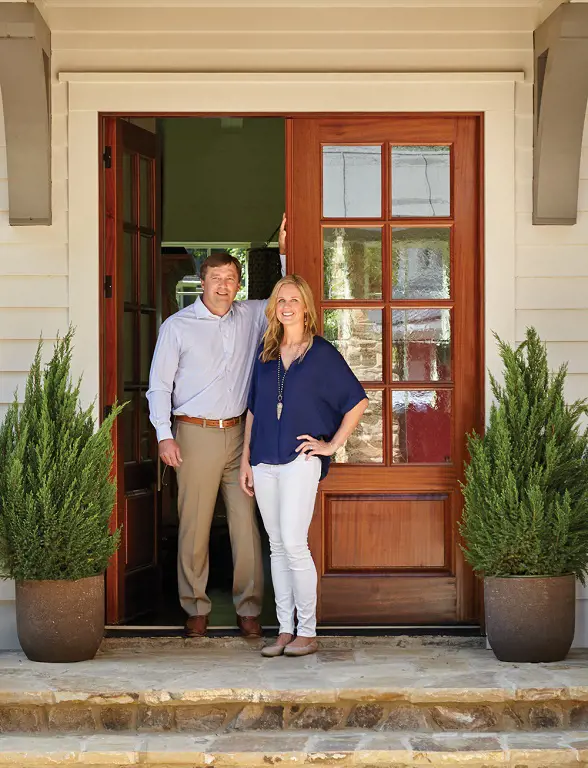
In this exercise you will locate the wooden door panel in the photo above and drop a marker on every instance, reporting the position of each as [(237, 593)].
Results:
[(385, 533), (358, 599), (384, 215), (130, 225)]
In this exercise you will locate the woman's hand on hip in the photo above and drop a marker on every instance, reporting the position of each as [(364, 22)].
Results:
[(313, 447), (246, 478)]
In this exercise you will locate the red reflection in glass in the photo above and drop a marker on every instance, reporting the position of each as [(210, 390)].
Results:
[(421, 426)]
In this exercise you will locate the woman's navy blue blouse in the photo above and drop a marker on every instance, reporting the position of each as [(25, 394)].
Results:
[(318, 391)]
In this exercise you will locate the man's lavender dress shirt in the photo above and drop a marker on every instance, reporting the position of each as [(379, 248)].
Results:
[(202, 363)]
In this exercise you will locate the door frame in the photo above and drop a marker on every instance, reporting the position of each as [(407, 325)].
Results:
[(92, 95)]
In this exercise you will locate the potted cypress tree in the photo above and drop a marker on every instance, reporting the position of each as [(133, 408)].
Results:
[(525, 522), (56, 498)]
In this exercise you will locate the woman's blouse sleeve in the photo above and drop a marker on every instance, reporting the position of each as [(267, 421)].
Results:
[(253, 386), (343, 387)]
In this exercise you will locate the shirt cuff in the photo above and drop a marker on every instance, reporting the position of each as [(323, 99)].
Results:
[(164, 433)]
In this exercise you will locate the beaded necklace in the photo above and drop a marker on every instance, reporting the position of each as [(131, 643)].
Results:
[(282, 379)]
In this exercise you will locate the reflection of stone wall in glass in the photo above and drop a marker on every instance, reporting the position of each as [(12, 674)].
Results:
[(421, 263), (357, 334), (365, 445), (352, 259)]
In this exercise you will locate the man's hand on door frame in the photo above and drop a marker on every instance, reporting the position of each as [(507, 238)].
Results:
[(282, 236)]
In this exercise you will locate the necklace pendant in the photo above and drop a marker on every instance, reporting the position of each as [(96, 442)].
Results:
[(279, 408)]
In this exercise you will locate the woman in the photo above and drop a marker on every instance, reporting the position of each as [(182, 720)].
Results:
[(303, 405)]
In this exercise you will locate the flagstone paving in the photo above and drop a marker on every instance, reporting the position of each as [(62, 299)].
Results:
[(253, 750)]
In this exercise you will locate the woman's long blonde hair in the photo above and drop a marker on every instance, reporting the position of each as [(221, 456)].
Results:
[(274, 335)]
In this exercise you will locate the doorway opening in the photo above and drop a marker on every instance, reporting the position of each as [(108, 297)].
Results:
[(190, 187), (384, 222)]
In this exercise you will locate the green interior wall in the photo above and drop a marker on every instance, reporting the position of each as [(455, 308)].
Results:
[(222, 184)]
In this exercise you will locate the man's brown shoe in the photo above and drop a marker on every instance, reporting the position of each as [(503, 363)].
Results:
[(196, 626), (250, 627)]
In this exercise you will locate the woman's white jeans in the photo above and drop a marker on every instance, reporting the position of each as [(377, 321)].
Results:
[(285, 495)]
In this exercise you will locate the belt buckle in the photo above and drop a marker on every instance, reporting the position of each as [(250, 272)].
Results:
[(220, 423)]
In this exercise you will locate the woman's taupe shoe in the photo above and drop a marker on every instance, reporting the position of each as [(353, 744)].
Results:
[(269, 651), (301, 650), (277, 649)]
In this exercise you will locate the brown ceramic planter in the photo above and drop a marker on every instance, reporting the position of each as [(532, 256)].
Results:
[(60, 621), (530, 619)]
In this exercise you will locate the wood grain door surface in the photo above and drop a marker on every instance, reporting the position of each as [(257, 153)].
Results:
[(130, 308), (384, 223)]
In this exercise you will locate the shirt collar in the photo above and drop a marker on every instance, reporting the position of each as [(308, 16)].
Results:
[(203, 313)]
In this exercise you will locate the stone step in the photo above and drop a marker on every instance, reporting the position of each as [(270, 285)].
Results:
[(215, 688), (260, 749), (381, 709)]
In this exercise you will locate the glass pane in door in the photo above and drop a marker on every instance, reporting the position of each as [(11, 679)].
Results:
[(127, 190), (146, 270), (128, 420), (421, 183), (145, 192), (421, 426), (128, 267), (352, 182), (147, 344), (129, 347), (357, 334), (421, 345), (421, 263), (352, 263), (146, 431), (366, 444)]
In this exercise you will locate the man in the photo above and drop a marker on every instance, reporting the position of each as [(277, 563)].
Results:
[(201, 372)]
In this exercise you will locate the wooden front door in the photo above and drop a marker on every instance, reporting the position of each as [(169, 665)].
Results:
[(130, 264), (384, 224)]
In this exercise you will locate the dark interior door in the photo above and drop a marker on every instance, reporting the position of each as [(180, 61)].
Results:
[(130, 314)]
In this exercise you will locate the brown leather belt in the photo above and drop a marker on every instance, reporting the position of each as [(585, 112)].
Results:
[(218, 423)]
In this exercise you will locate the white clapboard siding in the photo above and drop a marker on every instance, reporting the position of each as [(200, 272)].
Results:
[(576, 387), (554, 324), (552, 261), (552, 293), (16, 355), (33, 270), (573, 353)]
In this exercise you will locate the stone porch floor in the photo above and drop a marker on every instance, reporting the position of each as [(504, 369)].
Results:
[(426, 670)]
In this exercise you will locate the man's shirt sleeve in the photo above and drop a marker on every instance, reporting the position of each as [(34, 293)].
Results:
[(164, 366)]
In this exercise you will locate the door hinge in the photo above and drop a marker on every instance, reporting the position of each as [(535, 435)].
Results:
[(108, 286), (106, 411), (107, 157)]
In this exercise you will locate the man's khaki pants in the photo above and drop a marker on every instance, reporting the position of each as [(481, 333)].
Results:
[(211, 459)]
